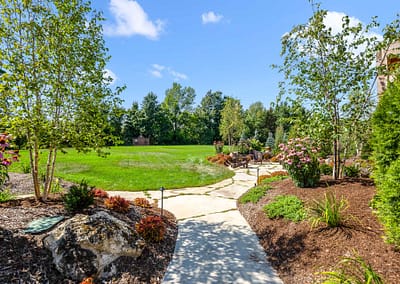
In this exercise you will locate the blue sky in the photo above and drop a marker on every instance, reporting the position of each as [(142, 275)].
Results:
[(219, 45)]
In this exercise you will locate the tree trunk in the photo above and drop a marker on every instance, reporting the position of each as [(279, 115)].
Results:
[(50, 167), (336, 148), (34, 158)]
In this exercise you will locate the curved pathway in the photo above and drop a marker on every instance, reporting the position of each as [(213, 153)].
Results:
[(215, 244)]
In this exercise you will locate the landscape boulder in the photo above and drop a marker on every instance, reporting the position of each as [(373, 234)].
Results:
[(85, 244)]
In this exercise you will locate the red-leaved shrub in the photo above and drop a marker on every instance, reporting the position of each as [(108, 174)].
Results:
[(100, 193), (151, 228), (117, 203), (141, 202)]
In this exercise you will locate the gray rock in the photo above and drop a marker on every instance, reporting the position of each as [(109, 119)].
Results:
[(85, 244)]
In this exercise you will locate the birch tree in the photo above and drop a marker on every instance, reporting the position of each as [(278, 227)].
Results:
[(55, 91)]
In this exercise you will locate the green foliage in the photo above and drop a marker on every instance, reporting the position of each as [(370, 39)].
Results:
[(5, 195), (299, 158), (270, 141), (387, 202), (328, 210), (79, 197), (325, 169), (352, 270), (254, 194), (151, 228), (286, 206), (386, 128), (351, 171), (327, 72), (255, 144), (117, 204), (55, 91), (3, 175), (232, 121)]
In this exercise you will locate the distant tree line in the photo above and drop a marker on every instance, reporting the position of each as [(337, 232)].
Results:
[(177, 121)]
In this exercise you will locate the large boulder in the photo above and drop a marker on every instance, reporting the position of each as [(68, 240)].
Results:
[(85, 244)]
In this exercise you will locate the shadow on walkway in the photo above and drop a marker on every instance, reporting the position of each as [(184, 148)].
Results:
[(218, 253)]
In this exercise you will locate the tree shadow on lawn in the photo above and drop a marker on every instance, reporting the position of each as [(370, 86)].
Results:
[(218, 253)]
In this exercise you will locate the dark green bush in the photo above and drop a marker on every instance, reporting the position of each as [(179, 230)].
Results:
[(386, 129), (387, 202), (351, 171), (386, 155), (79, 197), (325, 169)]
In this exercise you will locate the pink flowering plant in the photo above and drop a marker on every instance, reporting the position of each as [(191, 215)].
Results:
[(299, 158), (7, 157)]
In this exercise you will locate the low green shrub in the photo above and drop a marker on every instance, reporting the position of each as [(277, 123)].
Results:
[(79, 197), (325, 169), (254, 194), (151, 228), (387, 202), (5, 196), (352, 270), (286, 206), (351, 171), (328, 210)]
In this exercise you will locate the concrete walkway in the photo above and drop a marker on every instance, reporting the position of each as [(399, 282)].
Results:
[(215, 244)]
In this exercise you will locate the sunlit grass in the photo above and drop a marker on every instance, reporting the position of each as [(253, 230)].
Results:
[(138, 168)]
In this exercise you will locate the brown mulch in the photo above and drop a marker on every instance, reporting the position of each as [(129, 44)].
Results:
[(298, 252), (25, 260)]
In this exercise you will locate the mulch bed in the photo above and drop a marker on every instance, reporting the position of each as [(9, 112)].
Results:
[(24, 260), (299, 252)]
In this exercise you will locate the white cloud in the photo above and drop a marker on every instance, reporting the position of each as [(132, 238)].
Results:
[(177, 76), (334, 21), (159, 71), (156, 73), (110, 74), (158, 67), (211, 17), (131, 19)]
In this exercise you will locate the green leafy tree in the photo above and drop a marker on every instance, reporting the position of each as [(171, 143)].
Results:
[(255, 121), (232, 121), (153, 118), (330, 71), (209, 117), (177, 103), (131, 126), (55, 91)]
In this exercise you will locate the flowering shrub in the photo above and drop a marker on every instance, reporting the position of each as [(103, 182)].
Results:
[(151, 228), (117, 203), (7, 157), (141, 202), (299, 158)]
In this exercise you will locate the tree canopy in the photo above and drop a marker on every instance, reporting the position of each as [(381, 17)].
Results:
[(55, 91)]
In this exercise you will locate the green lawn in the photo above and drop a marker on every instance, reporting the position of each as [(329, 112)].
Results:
[(138, 168)]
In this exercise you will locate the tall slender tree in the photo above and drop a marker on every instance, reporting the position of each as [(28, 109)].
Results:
[(55, 86), (232, 120), (324, 69)]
